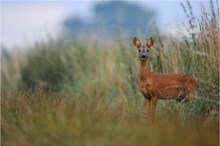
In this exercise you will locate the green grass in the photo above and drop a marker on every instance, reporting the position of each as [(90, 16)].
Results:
[(77, 92)]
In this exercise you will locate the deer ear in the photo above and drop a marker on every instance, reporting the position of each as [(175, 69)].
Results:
[(150, 42), (136, 42)]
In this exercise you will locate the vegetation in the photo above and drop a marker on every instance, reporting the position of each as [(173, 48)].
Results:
[(85, 92), (57, 119), (111, 17)]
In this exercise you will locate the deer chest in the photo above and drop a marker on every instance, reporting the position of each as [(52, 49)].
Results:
[(146, 90)]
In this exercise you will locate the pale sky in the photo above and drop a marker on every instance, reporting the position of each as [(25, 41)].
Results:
[(24, 22)]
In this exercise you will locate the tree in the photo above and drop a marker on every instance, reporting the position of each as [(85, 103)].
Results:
[(109, 17)]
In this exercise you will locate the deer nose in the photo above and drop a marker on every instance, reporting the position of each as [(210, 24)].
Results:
[(143, 56)]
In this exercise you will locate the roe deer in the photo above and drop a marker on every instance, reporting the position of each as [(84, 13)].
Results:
[(155, 85)]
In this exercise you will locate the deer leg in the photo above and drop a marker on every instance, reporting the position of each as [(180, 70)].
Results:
[(153, 109), (147, 102)]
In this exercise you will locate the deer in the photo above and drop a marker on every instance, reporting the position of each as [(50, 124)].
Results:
[(155, 85)]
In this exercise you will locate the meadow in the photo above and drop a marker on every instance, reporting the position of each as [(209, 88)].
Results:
[(70, 91)]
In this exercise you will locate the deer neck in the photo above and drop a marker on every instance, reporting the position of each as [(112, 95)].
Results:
[(144, 71)]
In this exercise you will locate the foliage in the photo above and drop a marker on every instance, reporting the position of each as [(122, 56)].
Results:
[(47, 68), (110, 18), (57, 119)]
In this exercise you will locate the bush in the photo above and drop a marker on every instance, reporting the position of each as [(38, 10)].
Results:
[(48, 67)]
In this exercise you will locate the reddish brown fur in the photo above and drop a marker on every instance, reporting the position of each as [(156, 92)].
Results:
[(155, 85)]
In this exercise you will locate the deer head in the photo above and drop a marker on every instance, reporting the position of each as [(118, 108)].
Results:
[(143, 49)]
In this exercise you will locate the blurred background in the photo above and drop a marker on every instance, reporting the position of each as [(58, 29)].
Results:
[(25, 22)]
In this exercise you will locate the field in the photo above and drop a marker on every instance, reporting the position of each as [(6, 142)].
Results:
[(85, 92)]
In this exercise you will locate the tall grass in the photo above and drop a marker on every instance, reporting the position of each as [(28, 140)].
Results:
[(47, 119), (85, 92)]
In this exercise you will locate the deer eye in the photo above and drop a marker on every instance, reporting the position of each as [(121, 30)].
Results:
[(139, 50), (147, 50)]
